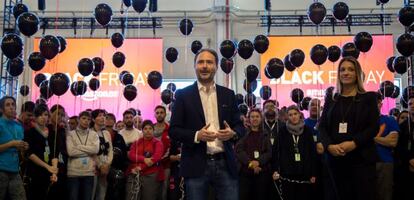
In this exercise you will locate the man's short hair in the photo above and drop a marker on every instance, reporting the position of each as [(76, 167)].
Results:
[(28, 106), (40, 109), (110, 115), (160, 106), (74, 117), (147, 122), (84, 113), (214, 53), (270, 101), (96, 112), (126, 112)]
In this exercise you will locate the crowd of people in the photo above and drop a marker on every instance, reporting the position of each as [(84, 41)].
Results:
[(346, 149)]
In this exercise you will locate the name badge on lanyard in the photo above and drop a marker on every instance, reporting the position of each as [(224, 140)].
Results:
[(296, 148), (343, 128), (272, 140), (46, 153), (297, 157), (256, 154)]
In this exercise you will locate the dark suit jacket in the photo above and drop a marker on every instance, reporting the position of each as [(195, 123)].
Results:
[(366, 128), (188, 117)]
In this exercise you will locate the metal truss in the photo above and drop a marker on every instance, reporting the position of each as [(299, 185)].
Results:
[(8, 84)]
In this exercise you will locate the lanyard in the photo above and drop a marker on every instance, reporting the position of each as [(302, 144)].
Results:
[(87, 136), (345, 114), (296, 143)]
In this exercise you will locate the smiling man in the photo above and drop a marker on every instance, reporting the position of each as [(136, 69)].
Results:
[(205, 118)]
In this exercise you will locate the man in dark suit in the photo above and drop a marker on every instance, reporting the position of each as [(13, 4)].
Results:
[(206, 120)]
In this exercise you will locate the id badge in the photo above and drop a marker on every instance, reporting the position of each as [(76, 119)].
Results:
[(315, 138), (84, 161), (343, 127), (409, 145), (272, 140), (46, 154), (256, 154), (297, 157)]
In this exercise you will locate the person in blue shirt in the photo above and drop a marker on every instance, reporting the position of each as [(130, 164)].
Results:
[(386, 140), (11, 144)]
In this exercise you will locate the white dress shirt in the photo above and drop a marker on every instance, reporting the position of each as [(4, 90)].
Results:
[(130, 136), (209, 102)]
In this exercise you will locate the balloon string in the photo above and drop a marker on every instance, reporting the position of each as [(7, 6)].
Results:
[(56, 126), (126, 23), (74, 106), (57, 16)]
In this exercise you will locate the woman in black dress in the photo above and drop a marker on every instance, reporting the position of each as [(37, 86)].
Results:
[(349, 123)]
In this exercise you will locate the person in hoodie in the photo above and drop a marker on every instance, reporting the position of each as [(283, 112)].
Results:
[(83, 147)]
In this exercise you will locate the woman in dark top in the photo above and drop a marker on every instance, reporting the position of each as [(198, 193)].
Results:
[(349, 123), (294, 157), (254, 152), (42, 167)]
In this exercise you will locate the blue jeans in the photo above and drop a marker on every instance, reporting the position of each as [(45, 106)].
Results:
[(217, 175), (81, 187)]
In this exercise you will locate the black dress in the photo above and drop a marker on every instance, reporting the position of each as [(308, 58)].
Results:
[(354, 174)]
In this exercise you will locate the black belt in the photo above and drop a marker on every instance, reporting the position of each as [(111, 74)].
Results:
[(217, 156)]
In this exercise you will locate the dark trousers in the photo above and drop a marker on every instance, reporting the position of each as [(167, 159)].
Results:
[(296, 191), (254, 186), (38, 188), (356, 182), (81, 187)]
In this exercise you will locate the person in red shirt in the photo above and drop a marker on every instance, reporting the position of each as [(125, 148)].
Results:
[(144, 167), (161, 132)]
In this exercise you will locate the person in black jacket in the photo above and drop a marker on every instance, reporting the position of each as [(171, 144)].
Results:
[(349, 123), (294, 157), (42, 167), (253, 153)]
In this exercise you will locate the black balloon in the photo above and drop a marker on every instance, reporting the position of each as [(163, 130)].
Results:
[(19, 9), (186, 26), (130, 92), (297, 57), (288, 65), (94, 84), (396, 92), (405, 44), (15, 66), (390, 60), (275, 68), (340, 11), (261, 43), (172, 87), (24, 90), (316, 12), (249, 86), (304, 104), (78, 88), (243, 109), (139, 5), (62, 42), (387, 88), (400, 64), (334, 53), (406, 15), (59, 84), (154, 79), (251, 72), (117, 39), (196, 46), (239, 99), (265, 92), (85, 66), (167, 96), (383, 1), (227, 49), (103, 14), (12, 45), (250, 100), (349, 49), (127, 3), (28, 24), (49, 46), (98, 64), (36, 61), (266, 73), (39, 78), (122, 74), (296, 95), (118, 59), (226, 65), (245, 49), (45, 91), (127, 79), (319, 54), (171, 54), (363, 41)]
